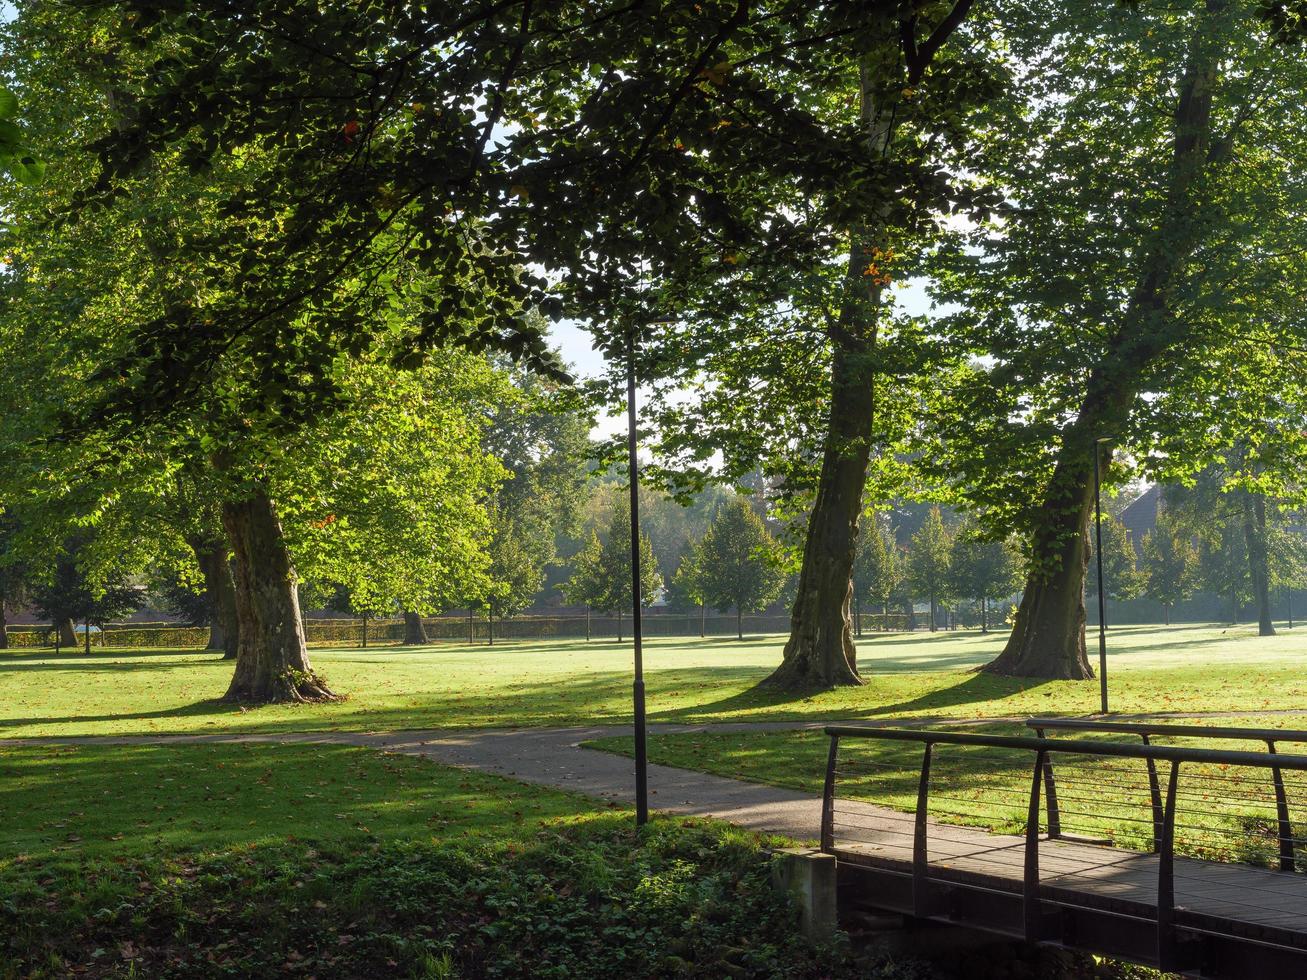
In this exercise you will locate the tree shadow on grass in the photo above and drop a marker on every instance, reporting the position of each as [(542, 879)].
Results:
[(209, 706), (974, 689)]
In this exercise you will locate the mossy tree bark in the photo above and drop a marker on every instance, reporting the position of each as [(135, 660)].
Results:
[(272, 662)]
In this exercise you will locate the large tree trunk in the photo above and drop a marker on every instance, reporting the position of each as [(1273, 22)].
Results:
[(220, 588), (1254, 532), (820, 651), (1048, 639), (67, 633), (415, 634), (739, 625), (272, 664), (4, 629)]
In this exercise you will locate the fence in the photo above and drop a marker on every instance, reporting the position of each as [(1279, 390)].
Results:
[(390, 632)]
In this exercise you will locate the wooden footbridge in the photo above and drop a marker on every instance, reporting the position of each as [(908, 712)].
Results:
[(1183, 858)]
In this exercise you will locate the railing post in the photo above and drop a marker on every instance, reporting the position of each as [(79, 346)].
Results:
[(1155, 792), (1282, 813), (1167, 958), (920, 882), (1050, 791), (1030, 890), (828, 799)]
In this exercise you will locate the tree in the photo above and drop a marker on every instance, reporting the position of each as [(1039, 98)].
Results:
[(738, 562), (1123, 347), (601, 571), (928, 562), (878, 567), (687, 587), (1122, 577), (13, 574), (986, 571), (515, 575), (586, 585), (1288, 563), (67, 594), (1170, 564)]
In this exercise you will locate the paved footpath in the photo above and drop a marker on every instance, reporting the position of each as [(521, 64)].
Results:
[(554, 757)]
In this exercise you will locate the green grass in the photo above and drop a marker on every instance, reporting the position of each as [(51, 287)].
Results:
[(566, 682), (69, 803), (335, 862)]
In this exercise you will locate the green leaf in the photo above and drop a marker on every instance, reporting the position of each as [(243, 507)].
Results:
[(8, 104)]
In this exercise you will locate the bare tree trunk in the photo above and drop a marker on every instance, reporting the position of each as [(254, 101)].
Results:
[(415, 634), (984, 615), (67, 633), (1254, 532), (587, 624), (4, 629), (1048, 637), (619, 624), (490, 624), (703, 620), (1166, 614), (272, 663), (220, 590), (739, 628)]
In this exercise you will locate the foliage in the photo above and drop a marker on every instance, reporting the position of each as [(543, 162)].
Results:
[(878, 568), (928, 561), (67, 590), (601, 571), (986, 571), (1122, 577), (738, 563), (687, 588), (1170, 562)]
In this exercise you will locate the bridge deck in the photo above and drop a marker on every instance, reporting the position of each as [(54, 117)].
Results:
[(1232, 899)]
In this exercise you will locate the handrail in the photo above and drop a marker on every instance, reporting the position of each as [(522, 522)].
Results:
[(1167, 728), (1146, 731), (1170, 954), (1168, 753)]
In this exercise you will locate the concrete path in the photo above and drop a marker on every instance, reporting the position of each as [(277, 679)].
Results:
[(554, 757)]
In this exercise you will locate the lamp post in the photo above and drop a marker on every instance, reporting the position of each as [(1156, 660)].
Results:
[(637, 691), (1098, 556)]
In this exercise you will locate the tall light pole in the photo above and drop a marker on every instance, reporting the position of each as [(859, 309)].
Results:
[(641, 756), (1098, 556)]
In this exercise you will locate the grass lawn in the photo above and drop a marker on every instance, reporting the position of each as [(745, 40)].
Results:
[(563, 682), (261, 861)]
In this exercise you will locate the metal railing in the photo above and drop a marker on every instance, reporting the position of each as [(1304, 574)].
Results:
[(1005, 789), (1147, 731)]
